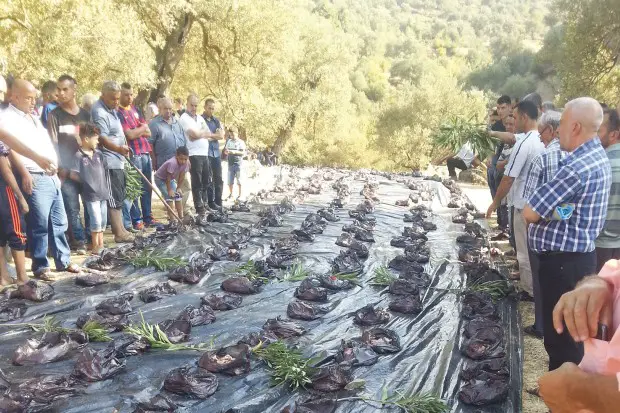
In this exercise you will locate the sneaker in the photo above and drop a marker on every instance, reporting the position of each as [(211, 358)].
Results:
[(525, 296), (78, 247), (153, 223), (500, 237), (133, 231), (531, 331), (127, 238), (139, 226)]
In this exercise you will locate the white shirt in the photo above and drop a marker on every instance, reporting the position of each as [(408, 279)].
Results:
[(29, 130), (528, 146), (198, 147), (466, 154)]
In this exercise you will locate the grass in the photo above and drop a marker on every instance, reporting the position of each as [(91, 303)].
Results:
[(93, 330), (496, 289), (287, 366), (249, 271), (149, 258), (297, 272), (383, 277), (415, 403)]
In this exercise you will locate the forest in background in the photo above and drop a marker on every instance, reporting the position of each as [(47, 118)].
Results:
[(327, 82)]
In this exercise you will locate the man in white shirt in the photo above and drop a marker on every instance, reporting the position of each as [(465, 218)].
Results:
[(462, 160), (46, 220), (526, 149), (197, 133)]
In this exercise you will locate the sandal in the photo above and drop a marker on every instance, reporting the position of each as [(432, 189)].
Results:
[(44, 275), (73, 268)]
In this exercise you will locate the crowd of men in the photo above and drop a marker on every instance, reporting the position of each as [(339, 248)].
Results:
[(54, 150), (555, 183)]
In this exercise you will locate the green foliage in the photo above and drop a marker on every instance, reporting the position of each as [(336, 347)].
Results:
[(94, 331), (287, 365), (249, 271), (297, 272), (150, 258), (496, 289), (458, 131), (134, 183), (383, 277)]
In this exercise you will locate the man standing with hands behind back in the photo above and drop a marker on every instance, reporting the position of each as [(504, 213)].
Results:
[(115, 149), (215, 159)]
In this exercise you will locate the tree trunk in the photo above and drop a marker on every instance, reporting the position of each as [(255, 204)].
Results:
[(167, 59), (285, 134)]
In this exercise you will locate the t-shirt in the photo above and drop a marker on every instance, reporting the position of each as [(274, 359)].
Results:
[(171, 168), (528, 146), (62, 127), (498, 127), (235, 145), (109, 124), (213, 124), (92, 174), (198, 147), (466, 154), (47, 109)]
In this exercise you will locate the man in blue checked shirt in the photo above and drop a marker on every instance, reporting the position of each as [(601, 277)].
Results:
[(566, 215)]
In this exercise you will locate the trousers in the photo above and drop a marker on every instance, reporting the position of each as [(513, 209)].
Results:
[(454, 163), (201, 180), (523, 257), (215, 189)]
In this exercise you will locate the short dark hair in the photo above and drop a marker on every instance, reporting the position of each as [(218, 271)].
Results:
[(88, 129), (614, 119), (604, 105), (125, 85), (66, 77), (504, 99), (49, 86), (182, 150), (209, 100), (529, 108)]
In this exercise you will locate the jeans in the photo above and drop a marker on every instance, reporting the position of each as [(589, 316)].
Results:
[(201, 180), (71, 198), (523, 256), (538, 306), (491, 171), (98, 211), (559, 273), (214, 191), (47, 222), (453, 163), (127, 213), (143, 163)]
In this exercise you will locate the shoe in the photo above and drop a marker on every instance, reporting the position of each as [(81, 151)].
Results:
[(123, 239), (44, 274), (131, 230), (139, 226), (153, 223), (525, 296), (79, 248), (213, 205), (500, 237), (511, 253), (531, 331), (72, 268)]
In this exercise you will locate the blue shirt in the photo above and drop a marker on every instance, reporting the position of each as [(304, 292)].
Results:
[(109, 124), (583, 181), (165, 139), (214, 146), (46, 111), (543, 168)]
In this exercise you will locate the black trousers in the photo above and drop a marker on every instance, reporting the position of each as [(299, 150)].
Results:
[(200, 173), (605, 254), (455, 163), (215, 189), (559, 273), (538, 305), (511, 240)]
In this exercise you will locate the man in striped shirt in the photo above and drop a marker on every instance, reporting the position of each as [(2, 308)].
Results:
[(566, 215), (608, 242)]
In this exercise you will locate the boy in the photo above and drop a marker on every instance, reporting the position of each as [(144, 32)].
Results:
[(89, 169), (13, 206), (235, 150), (169, 179)]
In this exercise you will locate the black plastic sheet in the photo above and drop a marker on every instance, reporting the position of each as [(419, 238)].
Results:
[(430, 359)]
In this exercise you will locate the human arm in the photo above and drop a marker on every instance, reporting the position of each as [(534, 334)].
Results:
[(169, 186), (569, 389), (501, 165), (502, 190), (194, 133), (7, 176), (104, 133), (219, 132), (15, 144), (132, 134), (180, 181), (505, 137), (561, 189), (26, 178)]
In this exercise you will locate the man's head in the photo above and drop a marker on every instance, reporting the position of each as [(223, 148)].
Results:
[(3, 88), (503, 106), (165, 108), (191, 106), (209, 107), (111, 94), (178, 104), (126, 95), (548, 106), (87, 101), (495, 116), (182, 155), (49, 91), (609, 132), (548, 126), (23, 95), (234, 132), (89, 134), (509, 123), (580, 122), (525, 114), (66, 86), (536, 99)]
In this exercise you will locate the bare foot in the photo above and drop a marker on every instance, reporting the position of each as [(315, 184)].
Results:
[(5, 283)]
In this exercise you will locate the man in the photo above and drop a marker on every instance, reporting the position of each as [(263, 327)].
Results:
[(3, 89), (543, 168), (87, 102), (235, 150), (178, 107), (528, 146), (566, 215), (115, 149), (167, 135), (503, 217), (608, 241), (462, 160), (62, 126), (46, 220), (197, 134), (503, 110), (138, 133), (548, 107), (48, 93), (215, 161)]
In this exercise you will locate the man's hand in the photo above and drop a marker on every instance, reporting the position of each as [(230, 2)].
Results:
[(27, 184), (584, 308), (179, 192), (491, 209), (170, 194), (23, 205), (124, 150), (501, 165), (46, 164), (557, 389)]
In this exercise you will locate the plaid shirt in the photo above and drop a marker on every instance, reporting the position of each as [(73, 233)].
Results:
[(544, 167), (131, 119), (583, 180)]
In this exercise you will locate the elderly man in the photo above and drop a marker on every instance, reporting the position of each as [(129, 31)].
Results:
[(543, 168), (63, 128), (214, 191), (526, 149), (608, 241), (197, 134), (167, 135), (46, 220), (566, 215), (115, 149)]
